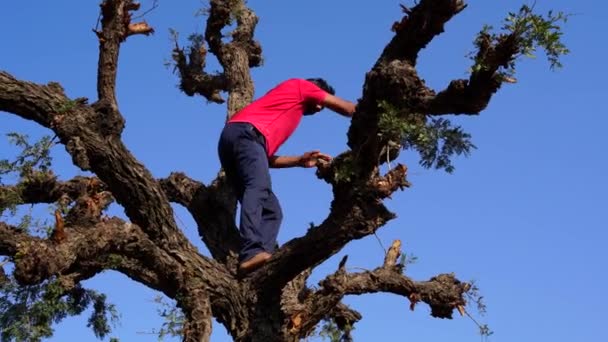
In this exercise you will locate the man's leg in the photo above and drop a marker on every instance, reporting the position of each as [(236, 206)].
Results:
[(271, 221), (252, 169)]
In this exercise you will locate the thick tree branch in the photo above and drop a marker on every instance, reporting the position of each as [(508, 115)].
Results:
[(31, 101), (213, 208), (349, 220), (164, 271), (294, 305), (116, 27), (379, 186), (194, 78), (212, 213), (113, 244), (442, 293), (86, 133), (181, 189), (44, 187), (418, 27), (198, 283), (473, 95), (236, 56), (198, 312), (222, 14), (394, 80), (356, 211)]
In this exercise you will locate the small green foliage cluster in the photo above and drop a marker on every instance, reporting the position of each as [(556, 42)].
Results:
[(67, 106), (532, 31), (27, 313), (435, 139), (173, 317), (346, 170), (407, 259), (473, 296), (538, 31), (114, 261), (197, 40), (32, 225), (33, 157), (9, 201), (329, 330), (32, 162)]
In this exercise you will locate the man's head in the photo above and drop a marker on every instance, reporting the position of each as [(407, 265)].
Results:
[(321, 83)]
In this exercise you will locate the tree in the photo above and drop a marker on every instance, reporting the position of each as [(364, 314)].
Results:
[(397, 110)]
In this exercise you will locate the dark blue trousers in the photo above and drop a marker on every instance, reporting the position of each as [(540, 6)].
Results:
[(242, 153)]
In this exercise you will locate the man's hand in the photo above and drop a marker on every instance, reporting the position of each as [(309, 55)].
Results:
[(308, 159), (313, 158)]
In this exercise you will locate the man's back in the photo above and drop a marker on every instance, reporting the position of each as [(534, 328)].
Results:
[(277, 114)]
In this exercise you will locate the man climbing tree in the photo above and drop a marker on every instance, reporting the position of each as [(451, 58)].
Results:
[(275, 302), (247, 149)]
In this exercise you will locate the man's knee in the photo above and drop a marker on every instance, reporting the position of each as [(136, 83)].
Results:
[(275, 207)]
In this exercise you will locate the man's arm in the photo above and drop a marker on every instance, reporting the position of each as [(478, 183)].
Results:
[(308, 159), (339, 105)]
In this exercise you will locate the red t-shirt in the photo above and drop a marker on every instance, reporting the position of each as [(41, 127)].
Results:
[(277, 114)]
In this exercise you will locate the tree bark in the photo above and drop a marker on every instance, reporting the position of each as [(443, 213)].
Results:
[(274, 303)]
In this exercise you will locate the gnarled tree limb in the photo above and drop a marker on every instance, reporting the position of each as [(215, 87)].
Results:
[(92, 248), (236, 56), (442, 293), (356, 212), (473, 95), (213, 208), (81, 129), (418, 27), (116, 27)]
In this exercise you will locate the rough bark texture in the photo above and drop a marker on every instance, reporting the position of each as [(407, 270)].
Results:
[(274, 303)]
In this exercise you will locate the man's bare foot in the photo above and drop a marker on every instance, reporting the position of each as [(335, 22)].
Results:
[(254, 263)]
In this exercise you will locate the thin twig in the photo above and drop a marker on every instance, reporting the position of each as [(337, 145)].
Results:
[(180, 221), (380, 242), (481, 327), (154, 6), (98, 21)]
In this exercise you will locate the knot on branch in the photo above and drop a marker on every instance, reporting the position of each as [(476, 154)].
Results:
[(194, 80), (400, 25), (116, 20), (336, 282), (390, 260), (444, 293), (108, 120), (38, 184), (397, 83), (36, 261), (141, 27), (235, 57), (56, 88), (88, 209), (180, 188), (77, 150), (254, 49), (392, 83), (384, 187)]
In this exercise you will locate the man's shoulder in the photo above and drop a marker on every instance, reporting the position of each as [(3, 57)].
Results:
[(290, 85), (292, 82)]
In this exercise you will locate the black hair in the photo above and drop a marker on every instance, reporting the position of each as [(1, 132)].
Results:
[(321, 83)]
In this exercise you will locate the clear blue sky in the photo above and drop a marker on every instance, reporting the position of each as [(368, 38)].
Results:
[(525, 215)]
